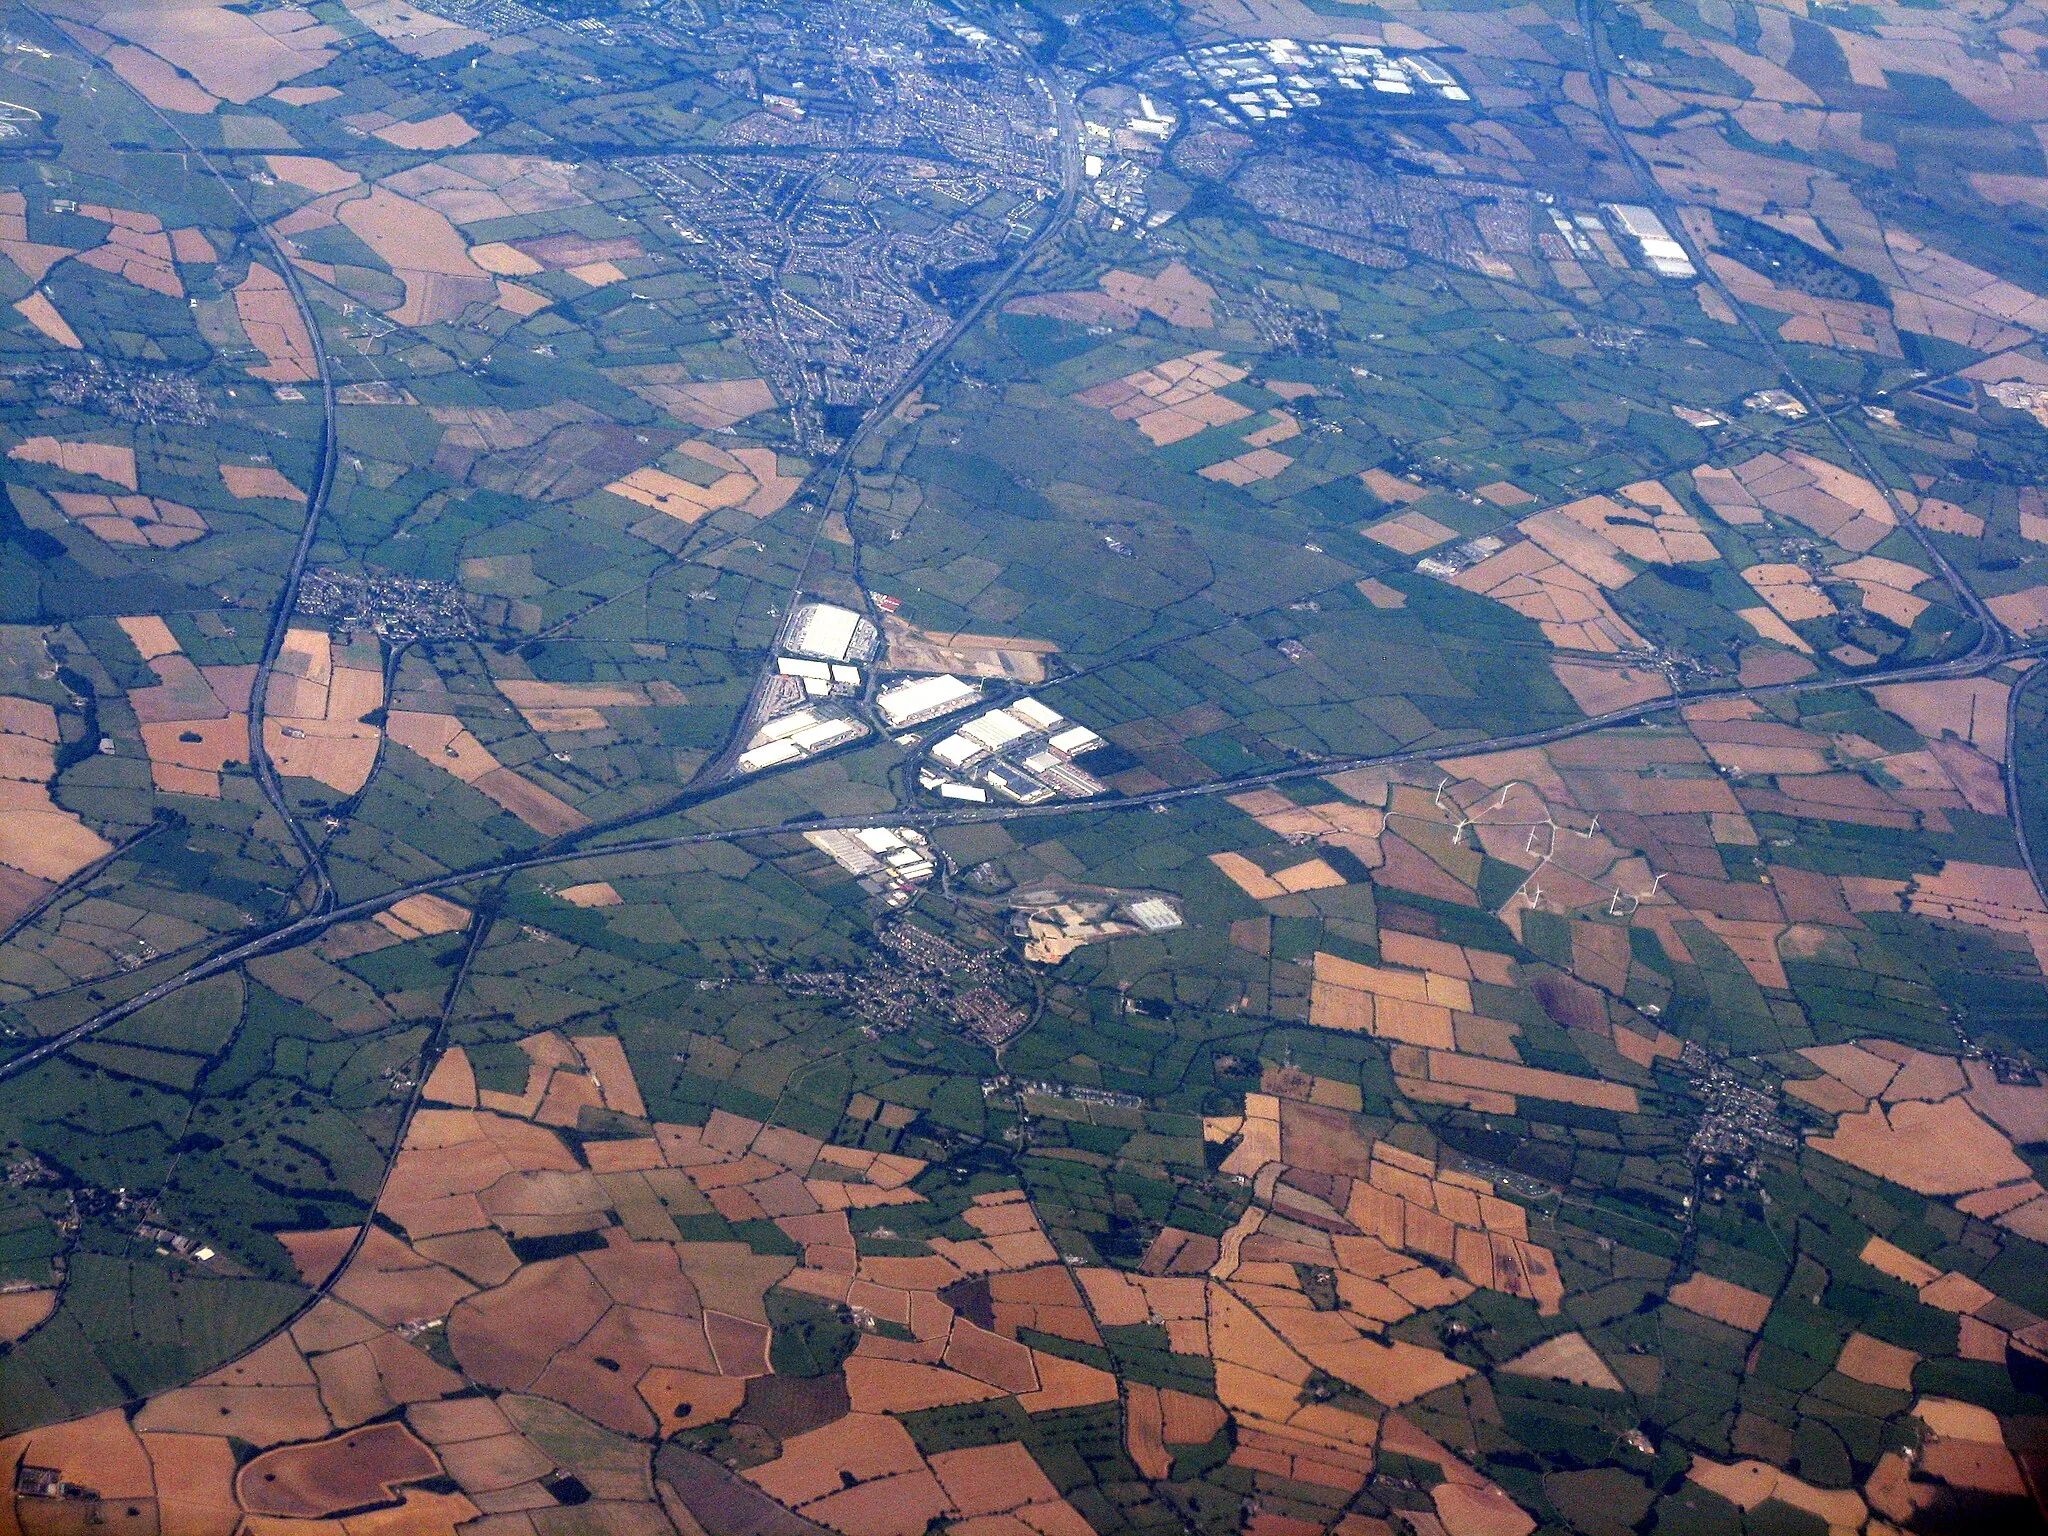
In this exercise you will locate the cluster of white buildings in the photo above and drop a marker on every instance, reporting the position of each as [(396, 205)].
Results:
[(1660, 253), (890, 862), (1277, 77), (797, 735), (1023, 752), (1146, 130), (1587, 235), (817, 665)]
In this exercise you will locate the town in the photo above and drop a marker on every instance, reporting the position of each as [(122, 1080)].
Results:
[(919, 976)]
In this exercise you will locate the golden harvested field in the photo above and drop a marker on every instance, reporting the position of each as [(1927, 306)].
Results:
[(1840, 506), (390, 1282), (37, 836), (1392, 488), (1172, 400), (1971, 708), (111, 462), (417, 916), (1410, 533), (1723, 1301), (1585, 550), (1511, 1078), (1284, 428), (1261, 463), (1568, 1357), (1747, 1484), (23, 1311), (316, 1255), (187, 756), (195, 1477), (1887, 587), (419, 33), (1418, 1221), (504, 260), (712, 404), (424, 251), (447, 131), (312, 173), (1989, 896), (1934, 1149), (1567, 605), (545, 1328), (1308, 875), (682, 499), (748, 478), (232, 55), (1176, 296), (1877, 1363), (1601, 690), (2024, 611), (1647, 523), (263, 1416), (1816, 321), (275, 329), (541, 810), (1504, 493), (39, 312), (150, 635), (443, 741), (100, 1452), (1790, 591), (158, 83), (407, 236), (878, 1385), (142, 521), (137, 251), (1938, 516), (313, 725)]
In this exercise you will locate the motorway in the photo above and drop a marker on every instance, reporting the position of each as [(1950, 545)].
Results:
[(316, 497), (284, 935)]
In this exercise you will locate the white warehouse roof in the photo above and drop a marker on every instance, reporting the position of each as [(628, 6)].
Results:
[(1639, 221), (1036, 715), (1074, 740), (997, 728), (768, 756), (1155, 915), (922, 696), (956, 751), (825, 630), (827, 733)]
